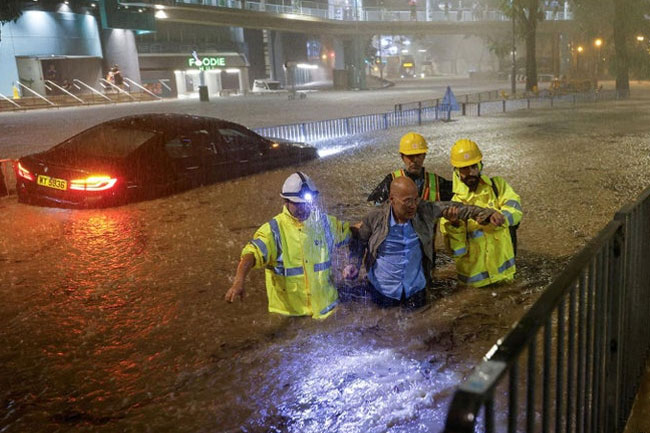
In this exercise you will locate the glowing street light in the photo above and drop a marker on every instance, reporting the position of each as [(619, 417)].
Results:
[(598, 43), (640, 38), (580, 49)]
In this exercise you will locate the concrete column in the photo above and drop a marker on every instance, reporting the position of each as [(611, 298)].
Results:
[(429, 10), (354, 64), (119, 48)]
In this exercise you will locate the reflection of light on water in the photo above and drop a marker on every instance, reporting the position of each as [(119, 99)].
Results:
[(331, 386), (333, 150)]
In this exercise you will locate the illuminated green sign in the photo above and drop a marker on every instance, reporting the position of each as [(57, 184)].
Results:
[(207, 63)]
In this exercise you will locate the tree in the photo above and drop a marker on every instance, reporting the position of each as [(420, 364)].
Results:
[(618, 23), (10, 10), (527, 13)]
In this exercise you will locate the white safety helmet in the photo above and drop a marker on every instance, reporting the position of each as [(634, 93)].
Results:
[(299, 188)]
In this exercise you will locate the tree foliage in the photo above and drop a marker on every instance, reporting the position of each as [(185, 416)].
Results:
[(618, 23), (10, 10), (527, 14)]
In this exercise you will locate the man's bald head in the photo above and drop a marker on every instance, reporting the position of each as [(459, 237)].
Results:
[(402, 185), (403, 198)]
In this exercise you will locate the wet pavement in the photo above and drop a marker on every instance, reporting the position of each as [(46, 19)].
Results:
[(113, 320)]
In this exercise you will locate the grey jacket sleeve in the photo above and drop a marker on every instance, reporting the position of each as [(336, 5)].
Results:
[(467, 211)]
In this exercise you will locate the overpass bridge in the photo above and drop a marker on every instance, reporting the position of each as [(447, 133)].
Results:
[(330, 20)]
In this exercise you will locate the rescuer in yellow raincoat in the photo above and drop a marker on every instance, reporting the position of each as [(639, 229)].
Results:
[(296, 248), (484, 254)]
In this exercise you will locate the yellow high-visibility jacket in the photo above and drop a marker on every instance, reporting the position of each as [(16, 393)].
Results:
[(298, 259), (483, 253)]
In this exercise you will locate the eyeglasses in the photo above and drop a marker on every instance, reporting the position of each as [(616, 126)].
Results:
[(410, 201)]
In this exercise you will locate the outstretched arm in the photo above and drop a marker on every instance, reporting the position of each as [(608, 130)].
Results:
[(243, 268), (455, 211)]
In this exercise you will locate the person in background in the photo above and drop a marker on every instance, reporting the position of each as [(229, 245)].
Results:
[(397, 240), (431, 187), (296, 249), (483, 254)]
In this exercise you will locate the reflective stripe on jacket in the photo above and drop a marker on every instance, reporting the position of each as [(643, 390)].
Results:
[(430, 183), (483, 253), (298, 259)]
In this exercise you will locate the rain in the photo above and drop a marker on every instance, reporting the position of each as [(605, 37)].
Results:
[(113, 318)]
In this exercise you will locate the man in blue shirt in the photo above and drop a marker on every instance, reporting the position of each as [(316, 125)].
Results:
[(398, 241)]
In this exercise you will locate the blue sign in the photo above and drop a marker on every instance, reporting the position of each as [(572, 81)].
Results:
[(449, 101)]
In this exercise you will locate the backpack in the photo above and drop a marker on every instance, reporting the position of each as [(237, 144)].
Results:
[(512, 229)]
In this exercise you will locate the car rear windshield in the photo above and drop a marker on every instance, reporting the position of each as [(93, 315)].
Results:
[(274, 85), (106, 141)]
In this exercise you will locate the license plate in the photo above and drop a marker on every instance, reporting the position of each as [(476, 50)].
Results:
[(52, 182)]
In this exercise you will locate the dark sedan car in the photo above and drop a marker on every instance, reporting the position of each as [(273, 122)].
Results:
[(146, 156)]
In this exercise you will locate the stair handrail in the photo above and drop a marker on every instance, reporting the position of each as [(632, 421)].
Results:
[(36, 93), (9, 100), (92, 89), (165, 85), (142, 88), (118, 88), (52, 83)]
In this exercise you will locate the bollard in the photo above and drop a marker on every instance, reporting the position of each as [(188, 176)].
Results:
[(3, 185), (478, 107), (463, 108), (419, 112), (504, 105), (528, 103)]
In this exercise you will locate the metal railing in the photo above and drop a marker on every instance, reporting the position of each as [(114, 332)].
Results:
[(49, 84), (130, 82), (35, 93), (108, 85), (419, 112), (79, 83), (350, 13), (590, 323), (4, 98)]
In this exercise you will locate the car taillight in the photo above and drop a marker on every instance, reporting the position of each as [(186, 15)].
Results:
[(93, 183), (24, 173)]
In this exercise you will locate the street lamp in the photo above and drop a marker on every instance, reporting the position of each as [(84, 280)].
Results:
[(640, 38), (598, 43), (580, 50)]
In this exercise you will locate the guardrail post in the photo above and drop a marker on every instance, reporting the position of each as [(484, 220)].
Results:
[(528, 103), (504, 105), (463, 105), (347, 125), (419, 112), (614, 337), (385, 120), (478, 107), (304, 132), (437, 102)]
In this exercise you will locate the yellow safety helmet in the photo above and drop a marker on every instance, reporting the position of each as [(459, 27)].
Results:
[(413, 143), (465, 153)]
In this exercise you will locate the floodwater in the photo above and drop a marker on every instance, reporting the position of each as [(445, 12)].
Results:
[(114, 320)]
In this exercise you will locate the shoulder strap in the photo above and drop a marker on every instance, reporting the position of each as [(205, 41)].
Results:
[(494, 187), (397, 173)]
